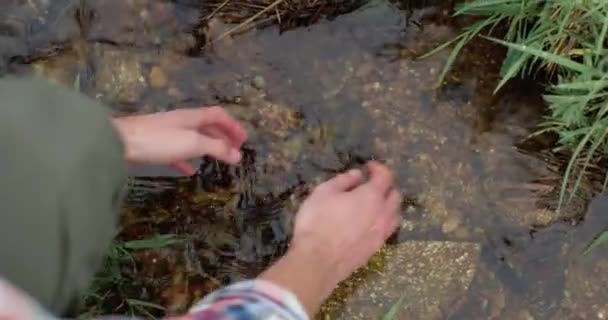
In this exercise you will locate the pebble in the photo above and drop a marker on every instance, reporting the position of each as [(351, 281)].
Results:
[(158, 79), (450, 225), (365, 70), (258, 82), (376, 86), (175, 93), (410, 210), (462, 233)]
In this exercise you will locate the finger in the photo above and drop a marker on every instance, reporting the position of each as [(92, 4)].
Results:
[(184, 167), (381, 178), (393, 204), (216, 132), (220, 120), (218, 149), (199, 118), (343, 182)]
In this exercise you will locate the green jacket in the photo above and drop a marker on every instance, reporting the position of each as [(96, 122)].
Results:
[(63, 172)]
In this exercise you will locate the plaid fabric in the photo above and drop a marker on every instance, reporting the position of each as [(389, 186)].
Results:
[(249, 300)]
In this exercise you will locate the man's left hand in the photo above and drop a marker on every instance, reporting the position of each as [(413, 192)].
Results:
[(175, 137)]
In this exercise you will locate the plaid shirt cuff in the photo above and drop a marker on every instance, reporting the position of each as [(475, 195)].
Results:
[(250, 300)]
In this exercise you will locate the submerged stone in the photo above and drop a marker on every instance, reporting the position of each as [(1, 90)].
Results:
[(585, 296), (120, 76), (432, 276)]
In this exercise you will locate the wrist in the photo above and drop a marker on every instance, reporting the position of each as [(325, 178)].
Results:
[(128, 134), (317, 257), (306, 272)]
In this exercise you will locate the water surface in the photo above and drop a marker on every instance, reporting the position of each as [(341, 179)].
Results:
[(479, 220)]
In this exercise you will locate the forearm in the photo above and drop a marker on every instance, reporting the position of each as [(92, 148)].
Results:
[(311, 277)]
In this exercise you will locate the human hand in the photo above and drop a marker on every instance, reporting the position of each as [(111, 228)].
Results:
[(338, 228), (175, 137), (344, 222)]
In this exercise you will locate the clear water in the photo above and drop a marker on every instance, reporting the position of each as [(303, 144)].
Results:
[(317, 100)]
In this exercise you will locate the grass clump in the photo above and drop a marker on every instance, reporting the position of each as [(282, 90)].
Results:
[(566, 40), (112, 284)]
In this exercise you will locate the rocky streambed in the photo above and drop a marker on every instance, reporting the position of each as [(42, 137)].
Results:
[(480, 237)]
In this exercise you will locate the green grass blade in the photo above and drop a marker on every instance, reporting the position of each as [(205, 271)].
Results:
[(570, 167), (582, 85), (450, 61), (567, 9), (441, 47), (599, 46), (513, 69), (598, 124), (156, 242), (590, 154), (392, 312), (473, 31), (547, 56), (140, 303), (596, 242)]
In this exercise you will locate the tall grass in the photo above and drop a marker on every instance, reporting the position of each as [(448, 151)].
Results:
[(567, 40)]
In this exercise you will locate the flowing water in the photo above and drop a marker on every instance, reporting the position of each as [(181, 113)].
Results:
[(480, 238)]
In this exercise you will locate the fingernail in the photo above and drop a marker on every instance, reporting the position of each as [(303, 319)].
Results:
[(354, 172)]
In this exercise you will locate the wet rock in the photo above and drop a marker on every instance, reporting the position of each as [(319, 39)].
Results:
[(35, 29), (175, 93), (464, 233), (533, 266), (259, 82), (433, 277), (436, 208), (450, 225), (10, 47), (158, 79), (586, 296), (119, 77), (142, 23), (365, 69), (487, 298), (63, 69), (535, 204), (42, 22)]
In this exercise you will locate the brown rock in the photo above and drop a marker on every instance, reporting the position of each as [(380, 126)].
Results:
[(158, 79), (450, 225), (119, 75)]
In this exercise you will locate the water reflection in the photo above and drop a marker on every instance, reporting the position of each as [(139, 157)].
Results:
[(480, 236)]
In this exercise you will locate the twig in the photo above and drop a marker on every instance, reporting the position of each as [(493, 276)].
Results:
[(244, 23), (278, 15), (220, 7)]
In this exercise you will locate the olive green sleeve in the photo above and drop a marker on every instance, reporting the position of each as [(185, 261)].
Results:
[(62, 175)]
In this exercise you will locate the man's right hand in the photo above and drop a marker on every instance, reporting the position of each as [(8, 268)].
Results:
[(346, 221), (338, 228)]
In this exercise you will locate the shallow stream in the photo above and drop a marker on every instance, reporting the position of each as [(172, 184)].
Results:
[(480, 238)]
